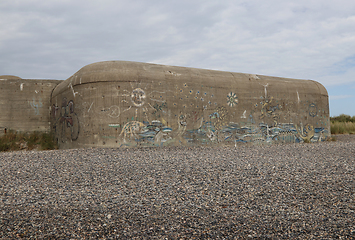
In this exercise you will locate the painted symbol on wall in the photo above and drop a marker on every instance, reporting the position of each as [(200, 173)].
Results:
[(218, 117), (306, 133), (67, 123), (159, 108), (155, 132), (36, 106), (114, 111), (138, 97), (269, 110), (313, 110), (131, 129), (141, 102), (232, 99)]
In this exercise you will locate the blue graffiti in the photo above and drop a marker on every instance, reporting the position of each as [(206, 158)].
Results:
[(36, 106)]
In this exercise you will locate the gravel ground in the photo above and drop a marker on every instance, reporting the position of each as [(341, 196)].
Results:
[(297, 191), (344, 137)]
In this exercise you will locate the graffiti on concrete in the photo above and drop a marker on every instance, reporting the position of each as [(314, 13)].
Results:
[(36, 105), (232, 99), (154, 133), (114, 111), (313, 110), (234, 132), (86, 107), (269, 110), (189, 115), (130, 130), (306, 133), (66, 124), (207, 124), (142, 102), (138, 97), (218, 117), (159, 108)]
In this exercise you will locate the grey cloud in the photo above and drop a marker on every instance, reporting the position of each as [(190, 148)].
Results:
[(299, 39)]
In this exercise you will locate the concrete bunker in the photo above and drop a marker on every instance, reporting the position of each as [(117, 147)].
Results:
[(129, 104), (25, 104)]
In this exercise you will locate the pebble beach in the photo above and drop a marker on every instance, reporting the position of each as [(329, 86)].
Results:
[(291, 191)]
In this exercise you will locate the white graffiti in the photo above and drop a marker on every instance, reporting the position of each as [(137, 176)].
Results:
[(131, 129), (36, 106), (265, 89), (90, 105), (71, 86), (232, 99), (114, 111), (138, 97), (244, 114)]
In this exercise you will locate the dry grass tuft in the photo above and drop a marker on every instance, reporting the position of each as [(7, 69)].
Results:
[(343, 124), (13, 141)]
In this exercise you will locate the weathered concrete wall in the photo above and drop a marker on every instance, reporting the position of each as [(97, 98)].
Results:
[(116, 104), (25, 104)]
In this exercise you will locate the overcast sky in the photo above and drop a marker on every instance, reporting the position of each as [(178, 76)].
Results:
[(306, 39)]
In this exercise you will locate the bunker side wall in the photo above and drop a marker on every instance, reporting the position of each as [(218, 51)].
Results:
[(25, 105), (125, 104)]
